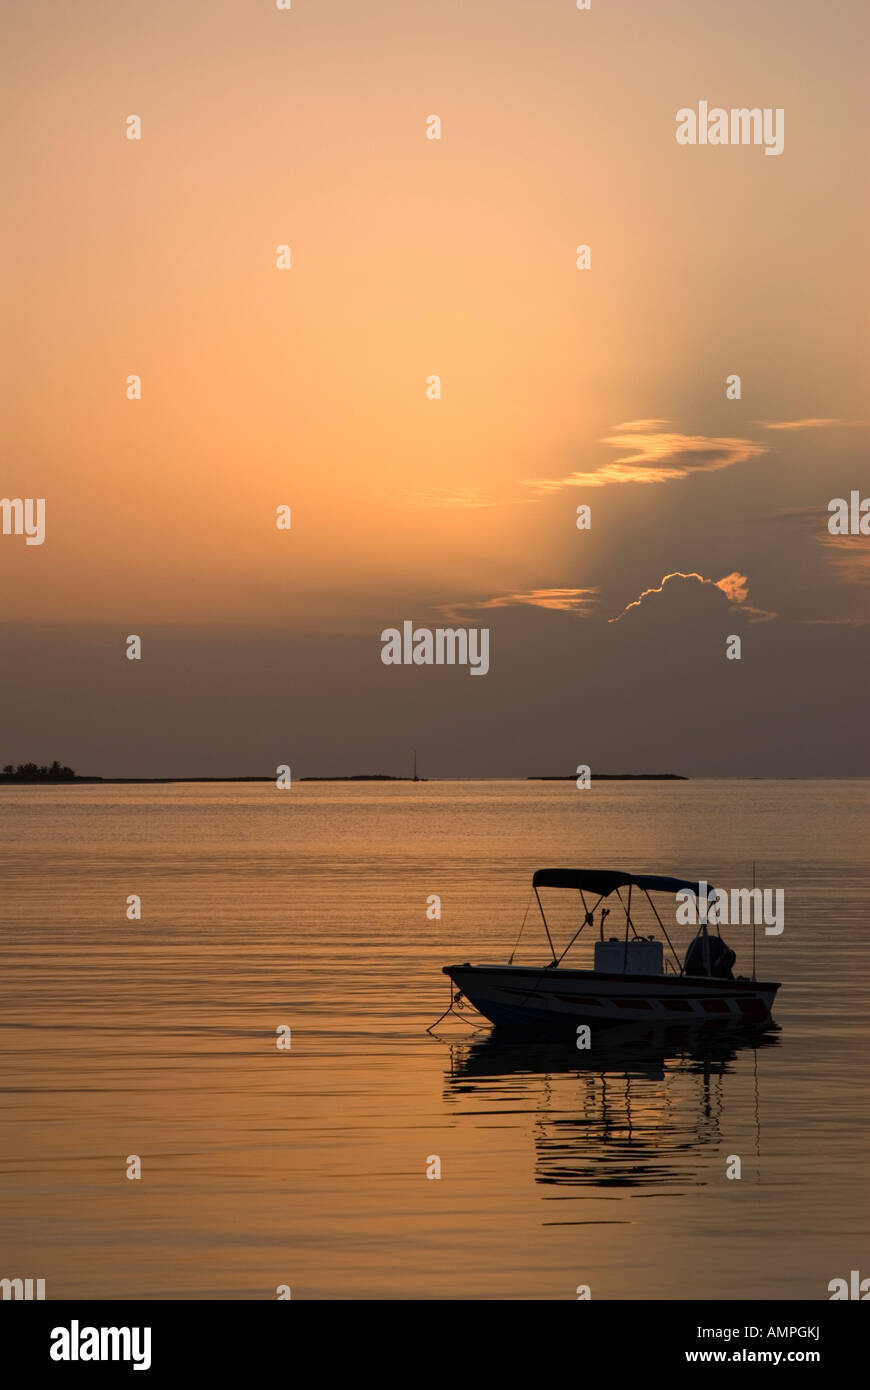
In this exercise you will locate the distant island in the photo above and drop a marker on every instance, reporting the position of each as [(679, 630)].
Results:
[(365, 777), (57, 772), (615, 777), (28, 773), (34, 772)]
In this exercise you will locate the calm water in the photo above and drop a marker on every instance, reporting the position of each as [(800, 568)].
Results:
[(307, 1167)]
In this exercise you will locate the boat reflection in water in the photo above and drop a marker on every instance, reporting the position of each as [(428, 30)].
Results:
[(645, 1106)]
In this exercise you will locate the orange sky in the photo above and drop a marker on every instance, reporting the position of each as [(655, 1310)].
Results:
[(413, 257)]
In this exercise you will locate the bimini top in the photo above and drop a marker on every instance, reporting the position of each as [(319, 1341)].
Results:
[(606, 881)]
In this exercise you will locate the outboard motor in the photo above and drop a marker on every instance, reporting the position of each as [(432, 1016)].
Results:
[(721, 958)]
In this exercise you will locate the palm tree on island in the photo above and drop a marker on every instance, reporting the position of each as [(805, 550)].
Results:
[(36, 772)]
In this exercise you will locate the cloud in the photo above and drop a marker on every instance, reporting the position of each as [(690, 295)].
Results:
[(459, 497), (735, 587), (656, 456), (802, 516), (849, 556), (640, 425), (833, 574), (811, 424), (577, 601), (683, 590), (676, 597), (837, 622)]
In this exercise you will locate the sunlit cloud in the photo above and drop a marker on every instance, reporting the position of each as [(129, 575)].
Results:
[(636, 603), (810, 424), (849, 556), (837, 622), (641, 425), (653, 454), (576, 601), (734, 586), (846, 565), (755, 615), (459, 497), (656, 456)]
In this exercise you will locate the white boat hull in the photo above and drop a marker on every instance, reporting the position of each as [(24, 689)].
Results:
[(515, 995)]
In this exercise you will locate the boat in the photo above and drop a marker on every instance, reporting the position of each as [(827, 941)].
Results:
[(630, 982)]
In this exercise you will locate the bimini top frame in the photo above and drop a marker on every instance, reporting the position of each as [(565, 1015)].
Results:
[(603, 882)]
